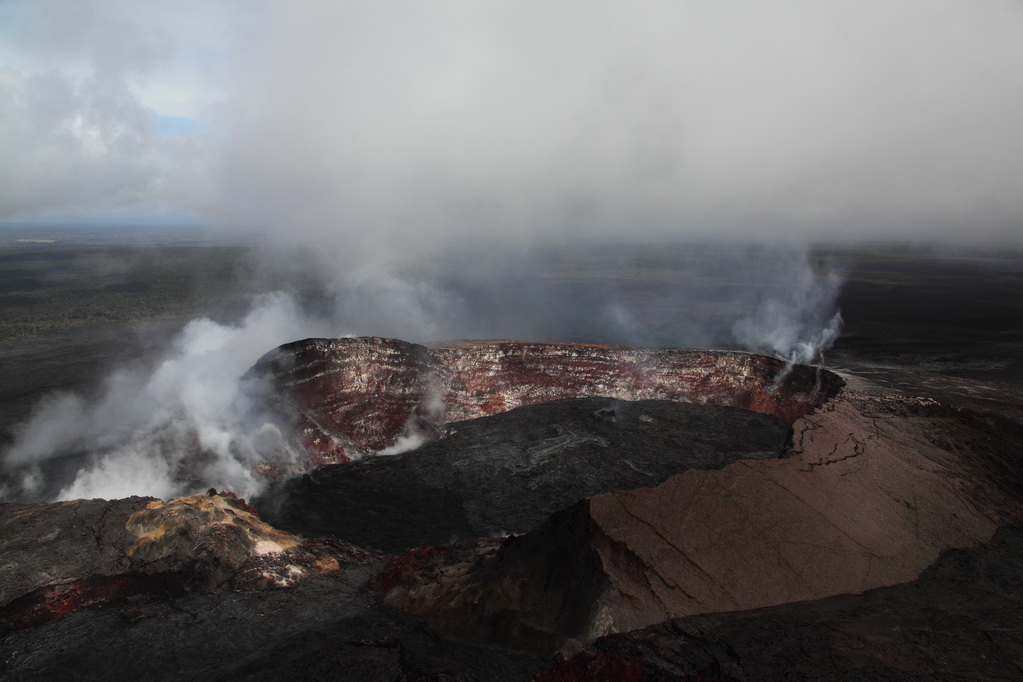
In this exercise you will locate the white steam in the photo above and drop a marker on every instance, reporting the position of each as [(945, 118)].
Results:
[(431, 408), (194, 420), (797, 322), (404, 444), (183, 425), (411, 164)]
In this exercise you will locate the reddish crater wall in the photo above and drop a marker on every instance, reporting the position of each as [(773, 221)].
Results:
[(361, 394)]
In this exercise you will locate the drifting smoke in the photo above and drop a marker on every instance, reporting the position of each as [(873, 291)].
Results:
[(195, 419), (188, 422), (450, 170), (411, 437)]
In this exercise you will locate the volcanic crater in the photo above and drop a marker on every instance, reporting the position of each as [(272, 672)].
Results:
[(353, 396), (563, 499)]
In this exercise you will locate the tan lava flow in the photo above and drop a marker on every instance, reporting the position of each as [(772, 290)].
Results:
[(871, 496), (223, 534)]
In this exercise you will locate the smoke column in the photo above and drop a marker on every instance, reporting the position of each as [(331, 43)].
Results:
[(796, 323)]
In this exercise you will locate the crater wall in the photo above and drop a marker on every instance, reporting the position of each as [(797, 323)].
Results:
[(354, 395)]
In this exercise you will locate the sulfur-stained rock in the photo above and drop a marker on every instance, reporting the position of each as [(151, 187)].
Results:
[(217, 525)]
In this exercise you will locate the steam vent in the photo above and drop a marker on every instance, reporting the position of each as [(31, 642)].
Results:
[(502, 510)]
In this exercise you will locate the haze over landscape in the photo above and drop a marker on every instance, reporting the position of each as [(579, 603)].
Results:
[(407, 124), (421, 162), (561, 341)]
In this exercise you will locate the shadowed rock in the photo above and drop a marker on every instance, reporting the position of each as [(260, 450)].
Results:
[(507, 473), (58, 558), (959, 620)]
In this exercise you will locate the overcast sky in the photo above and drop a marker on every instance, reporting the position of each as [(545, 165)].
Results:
[(414, 122)]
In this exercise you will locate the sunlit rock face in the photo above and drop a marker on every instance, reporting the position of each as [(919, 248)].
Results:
[(218, 527), (964, 613), (876, 487), (349, 396)]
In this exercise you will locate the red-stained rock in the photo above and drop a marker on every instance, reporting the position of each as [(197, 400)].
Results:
[(65, 556), (57, 600), (348, 396), (597, 667), (402, 567)]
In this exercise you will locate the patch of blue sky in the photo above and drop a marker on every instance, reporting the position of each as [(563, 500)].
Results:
[(179, 126)]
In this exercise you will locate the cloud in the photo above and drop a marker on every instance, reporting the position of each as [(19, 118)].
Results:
[(84, 88), (422, 167), (65, 143), (451, 120), (424, 121)]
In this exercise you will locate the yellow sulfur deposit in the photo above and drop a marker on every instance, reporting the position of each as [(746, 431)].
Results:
[(213, 524)]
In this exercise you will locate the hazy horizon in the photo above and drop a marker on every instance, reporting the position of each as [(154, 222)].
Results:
[(360, 127), (415, 162)]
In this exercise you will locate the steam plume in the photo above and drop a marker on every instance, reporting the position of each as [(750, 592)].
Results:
[(426, 167), (186, 423), (193, 420), (795, 323)]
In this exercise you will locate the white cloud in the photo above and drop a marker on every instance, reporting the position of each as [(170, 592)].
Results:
[(515, 119), (432, 120), (81, 87), (426, 153)]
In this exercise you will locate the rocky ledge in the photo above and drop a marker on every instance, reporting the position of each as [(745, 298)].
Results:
[(876, 487), (65, 556), (507, 473), (352, 396), (960, 620)]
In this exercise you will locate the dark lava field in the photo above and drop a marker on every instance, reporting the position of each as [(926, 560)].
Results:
[(862, 520)]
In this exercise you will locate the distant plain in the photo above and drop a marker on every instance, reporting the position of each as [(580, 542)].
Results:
[(76, 302)]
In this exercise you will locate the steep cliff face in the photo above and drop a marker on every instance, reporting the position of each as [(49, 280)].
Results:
[(350, 396), (875, 490), (960, 620)]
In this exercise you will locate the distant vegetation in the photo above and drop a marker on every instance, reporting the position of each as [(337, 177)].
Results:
[(49, 287)]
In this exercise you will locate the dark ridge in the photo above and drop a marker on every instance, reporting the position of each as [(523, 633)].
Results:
[(506, 473), (959, 620)]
